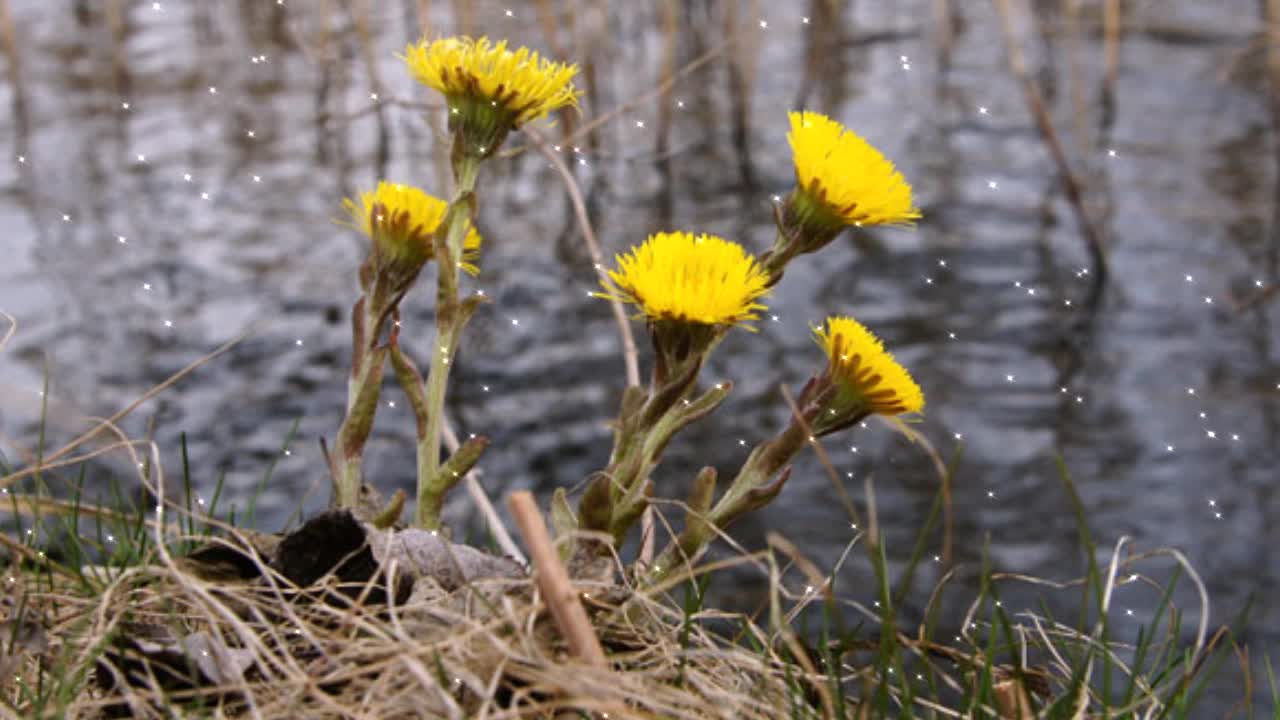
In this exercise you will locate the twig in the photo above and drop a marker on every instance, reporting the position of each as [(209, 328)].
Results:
[(629, 352), (478, 496), (553, 582)]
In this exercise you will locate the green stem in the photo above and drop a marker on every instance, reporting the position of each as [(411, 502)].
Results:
[(761, 466), (448, 328), (362, 396)]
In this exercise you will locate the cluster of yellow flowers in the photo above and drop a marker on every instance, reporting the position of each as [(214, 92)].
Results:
[(691, 288), (841, 181)]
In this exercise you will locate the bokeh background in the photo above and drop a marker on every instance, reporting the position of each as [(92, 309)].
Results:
[(171, 170)]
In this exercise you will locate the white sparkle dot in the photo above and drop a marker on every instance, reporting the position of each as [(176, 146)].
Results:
[(959, 436), (928, 281), (942, 263), (1067, 303), (249, 133), (66, 217), (1217, 515), (991, 494), (22, 159), (992, 184), (373, 97), (156, 6), (168, 323), (186, 176), (639, 123), (514, 321), (146, 286), (391, 403), (804, 20), (951, 336), (937, 558), (1190, 279), (204, 196), (124, 106), (213, 90), (982, 110), (509, 13), (121, 239), (1191, 391), (764, 24), (484, 388), (257, 178), (1129, 612), (288, 452), (1257, 283), (679, 103), (298, 342), (142, 158), (1208, 300), (1008, 378), (1234, 436), (1168, 448), (853, 448), (775, 318), (1211, 434)]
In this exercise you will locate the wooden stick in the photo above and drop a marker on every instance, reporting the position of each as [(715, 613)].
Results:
[(553, 581)]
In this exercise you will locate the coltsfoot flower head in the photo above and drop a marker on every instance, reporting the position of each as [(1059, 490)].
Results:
[(402, 220), (841, 180), (691, 289), (490, 90), (687, 278), (867, 378)]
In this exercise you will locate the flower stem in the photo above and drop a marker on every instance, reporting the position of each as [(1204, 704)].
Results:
[(751, 489), (362, 395), (449, 321)]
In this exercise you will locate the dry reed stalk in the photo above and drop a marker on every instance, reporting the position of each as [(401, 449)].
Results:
[(946, 30), (550, 25), (1111, 44), (1072, 186), (553, 582), (360, 17), (1075, 76), (13, 59), (1272, 10)]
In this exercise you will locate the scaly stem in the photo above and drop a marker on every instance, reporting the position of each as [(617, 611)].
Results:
[(362, 394), (749, 490), (448, 328)]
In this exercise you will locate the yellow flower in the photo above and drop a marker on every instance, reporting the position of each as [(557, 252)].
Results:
[(843, 180), (700, 279), (490, 89), (402, 220), (870, 380)]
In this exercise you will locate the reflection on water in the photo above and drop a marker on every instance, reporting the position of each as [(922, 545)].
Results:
[(171, 172)]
